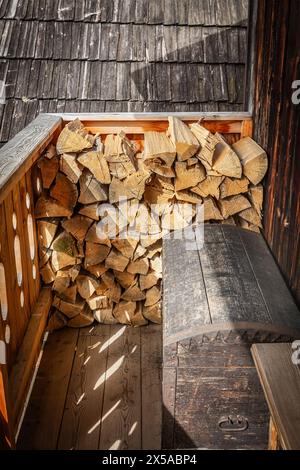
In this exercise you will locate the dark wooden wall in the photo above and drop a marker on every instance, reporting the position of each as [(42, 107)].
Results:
[(277, 129)]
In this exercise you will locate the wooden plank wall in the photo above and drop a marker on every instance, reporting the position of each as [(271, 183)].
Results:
[(277, 129)]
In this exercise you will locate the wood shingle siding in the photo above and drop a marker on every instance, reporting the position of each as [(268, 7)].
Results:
[(112, 55)]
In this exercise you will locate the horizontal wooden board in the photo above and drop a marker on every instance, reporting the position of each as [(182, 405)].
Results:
[(18, 155), (280, 379)]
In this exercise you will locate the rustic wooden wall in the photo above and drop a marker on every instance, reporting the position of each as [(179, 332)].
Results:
[(277, 129)]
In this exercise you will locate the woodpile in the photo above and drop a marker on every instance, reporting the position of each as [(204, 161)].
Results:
[(104, 209)]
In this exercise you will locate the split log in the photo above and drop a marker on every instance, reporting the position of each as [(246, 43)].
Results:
[(78, 226), (97, 270), (124, 311), (95, 253), (208, 143), (253, 159), (153, 296), (93, 236), (105, 316), (61, 283), (64, 192), (153, 313), (47, 273), (108, 278), (154, 249), (233, 186), (44, 255), (86, 285), (67, 308), (118, 191), (102, 288), (119, 153), (188, 177), (46, 232), (209, 187), (116, 261), (156, 263), (232, 205), (135, 184), (256, 194), (210, 210), (90, 211), (139, 266), (69, 294), (61, 260), (158, 146), (49, 170), (125, 279), (116, 145), (149, 280), (69, 166), (251, 216), (192, 161), (128, 209), (182, 138), (64, 277), (114, 293), (97, 164), (138, 319), (126, 246), (139, 252), (65, 243), (229, 221), (74, 138), (133, 293), (48, 207), (159, 169), (122, 168), (246, 225), (179, 218), (225, 160), (112, 146), (91, 190), (112, 223), (98, 302), (85, 318), (188, 196), (57, 321), (158, 192)]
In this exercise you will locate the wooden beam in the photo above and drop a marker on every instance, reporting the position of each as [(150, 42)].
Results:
[(19, 154), (22, 370), (138, 123)]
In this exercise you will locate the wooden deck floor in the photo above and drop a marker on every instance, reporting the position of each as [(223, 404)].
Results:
[(97, 388)]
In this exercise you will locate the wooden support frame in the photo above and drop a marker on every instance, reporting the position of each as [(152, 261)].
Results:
[(17, 158)]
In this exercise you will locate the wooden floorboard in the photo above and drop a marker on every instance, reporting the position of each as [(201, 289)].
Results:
[(151, 359), (121, 419), (98, 387), (82, 416), (43, 418)]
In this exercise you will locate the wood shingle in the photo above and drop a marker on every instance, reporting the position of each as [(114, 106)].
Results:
[(120, 55)]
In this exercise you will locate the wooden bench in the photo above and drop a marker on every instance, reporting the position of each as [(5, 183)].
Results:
[(280, 379)]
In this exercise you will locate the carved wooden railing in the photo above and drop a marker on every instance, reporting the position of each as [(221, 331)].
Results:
[(24, 304)]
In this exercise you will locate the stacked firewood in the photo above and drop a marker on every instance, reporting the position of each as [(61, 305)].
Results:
[(104, 207)]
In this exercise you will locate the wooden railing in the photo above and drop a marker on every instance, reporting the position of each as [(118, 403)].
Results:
[(24, 304)]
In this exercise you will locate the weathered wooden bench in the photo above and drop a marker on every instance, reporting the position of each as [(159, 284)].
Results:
[(217, 302), (279, 373)]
